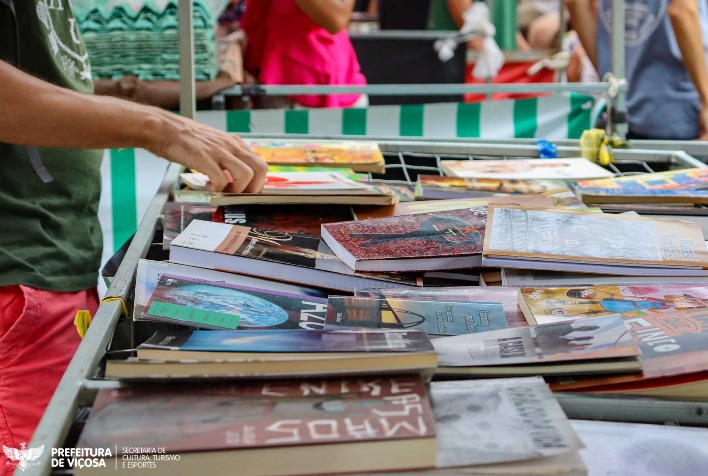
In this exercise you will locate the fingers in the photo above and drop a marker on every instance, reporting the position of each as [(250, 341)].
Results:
[(258, 165)]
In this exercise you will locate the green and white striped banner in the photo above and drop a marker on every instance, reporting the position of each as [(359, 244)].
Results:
[(562, 116)]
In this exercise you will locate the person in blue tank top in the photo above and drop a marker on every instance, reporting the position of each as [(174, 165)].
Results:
[(666, 69)]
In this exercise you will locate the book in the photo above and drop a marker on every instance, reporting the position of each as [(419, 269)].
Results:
[(440, 187), (505, 296), (570, 240), (281, 256), (429, 206), (492, 421), (148, 273), (532, 277), (593, 345), (361, 156), (673, 186), (371, 197), (525, 169), (277, 353), (178, 215), (266, 428), (293, 183), (428, 241), (218, 305), (549, 305), (434, 317)]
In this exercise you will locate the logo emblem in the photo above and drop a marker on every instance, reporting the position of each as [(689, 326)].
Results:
[(23, 457)]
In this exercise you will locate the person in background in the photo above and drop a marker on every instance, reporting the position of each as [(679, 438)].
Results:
[(302, 42), (540, 23), (665, 62), (50, 250)]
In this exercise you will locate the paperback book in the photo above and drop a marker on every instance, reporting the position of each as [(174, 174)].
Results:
[(438, 187), (267, 428), (525, 169), (219, 305), (506, 297), (361, 156), (293, 183), (428, 241), (434, 317), (569, 240), (304, 260), (179, 215), (594, 345), (673, 186)]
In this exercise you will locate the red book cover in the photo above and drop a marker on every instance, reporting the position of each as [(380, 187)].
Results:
[(184, 418), (445, 234)]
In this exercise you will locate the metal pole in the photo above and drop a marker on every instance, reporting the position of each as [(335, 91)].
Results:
[(187, 94), (619, 120)]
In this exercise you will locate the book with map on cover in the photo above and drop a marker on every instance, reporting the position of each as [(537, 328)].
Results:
[(570, 240), (266, 428), (148, 273), (593, 345), (304, 260), (219, 305), (360, 156), (434, 317), (673, 186), (525, 169), (505, 296), (430, 241)]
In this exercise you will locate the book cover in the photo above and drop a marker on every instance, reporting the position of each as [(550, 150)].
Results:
[(292, 252), (179, 215), (548, 305), (505, 296), (569, 235), (220, 305), (427, 184), (525, 169), (585, 339), (284, 218), (434, 317), (292, 341), (672, 186), (198, 418), (361, 156), (453, 237), (499, 420), (149, 272), (294, 183)]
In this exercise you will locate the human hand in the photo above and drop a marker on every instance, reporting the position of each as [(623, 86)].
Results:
[(231, 166), (703, 121)]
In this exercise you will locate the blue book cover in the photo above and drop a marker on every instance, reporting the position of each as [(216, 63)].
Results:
[(434, 317)]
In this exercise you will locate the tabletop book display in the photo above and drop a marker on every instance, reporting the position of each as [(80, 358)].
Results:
[(257, 303)]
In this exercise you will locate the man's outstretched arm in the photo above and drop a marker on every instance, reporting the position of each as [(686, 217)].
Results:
[(37, 113)]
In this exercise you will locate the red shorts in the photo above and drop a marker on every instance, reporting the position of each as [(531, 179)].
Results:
[(38, 338)]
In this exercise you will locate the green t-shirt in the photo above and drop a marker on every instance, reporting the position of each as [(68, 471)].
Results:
[(439, 17), (52, 238)]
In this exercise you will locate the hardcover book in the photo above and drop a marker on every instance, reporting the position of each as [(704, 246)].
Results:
[(361, 156), (506, 297), (428, 241), (218, 305), (434, 317), (281, 256), (674, 186), (268, 428), (569, 240), (525, 169), (596, 345)]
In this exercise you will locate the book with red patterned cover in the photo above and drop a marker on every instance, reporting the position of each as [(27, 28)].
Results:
[(449, 239), (339, 425)]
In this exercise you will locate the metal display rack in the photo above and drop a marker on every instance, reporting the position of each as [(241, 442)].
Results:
[(406, 159)]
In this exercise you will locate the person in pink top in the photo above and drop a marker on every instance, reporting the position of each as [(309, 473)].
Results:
[(303, 42)]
